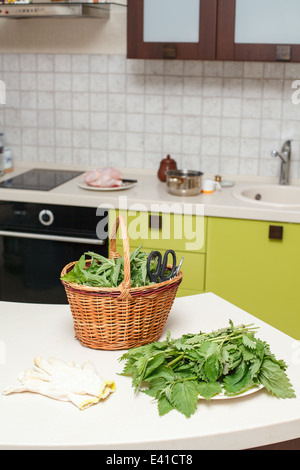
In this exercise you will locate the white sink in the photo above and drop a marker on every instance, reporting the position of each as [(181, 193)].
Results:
[(270, 195)]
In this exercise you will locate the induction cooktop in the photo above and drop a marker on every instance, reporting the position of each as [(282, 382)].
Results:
[(40, 179)]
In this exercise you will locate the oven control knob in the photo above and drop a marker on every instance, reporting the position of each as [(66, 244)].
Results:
[(46, 217)]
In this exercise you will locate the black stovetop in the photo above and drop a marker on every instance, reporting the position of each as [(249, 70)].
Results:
[(40, 179)]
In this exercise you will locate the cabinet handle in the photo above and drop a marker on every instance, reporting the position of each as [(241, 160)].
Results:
[(155, 221), (53, 238), (283, 53), (275, 232), (169, 51)]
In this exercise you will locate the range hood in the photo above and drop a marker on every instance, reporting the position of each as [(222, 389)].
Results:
[(58, 9)]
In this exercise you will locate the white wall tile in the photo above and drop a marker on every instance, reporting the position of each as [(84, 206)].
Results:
[(64, 155), (11, 80), (192, 125), (63, 119), (153, 123), (191, 144), (153, 142), (193, 68), (135, 66), (80, 82), (45, 100), (80, 63), (230, 147), (98, 63), (28, 81), (106, 109), (154, 104), (192, 105), (81, 120), (63, 138), (46, 154), (192, 86), (28, 62), (115, 141), (11, 62), (98, 121), (252, 108), (62, 81), (134, 122), (63, 100), (45, 62), (210, 146), (45, 81), (62, 63)]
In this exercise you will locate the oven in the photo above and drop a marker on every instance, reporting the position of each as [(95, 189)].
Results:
[(37, 241)]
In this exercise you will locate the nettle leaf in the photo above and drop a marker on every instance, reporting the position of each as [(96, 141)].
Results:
[(156, 387), (212, 367), (275, 380), (178, 371), (181, 345), (128, 369), (209, 389), (254, 367), (162, 371), (231, 357), (248, 342), (195, 339), (164, 405), (238, 381), (154, 363), (248, 354), (185, 397)]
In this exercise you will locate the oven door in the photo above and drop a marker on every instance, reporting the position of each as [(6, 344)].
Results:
[(31, 264)]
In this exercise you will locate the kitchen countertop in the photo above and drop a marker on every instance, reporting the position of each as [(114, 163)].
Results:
[(127, 420), (150, 194)]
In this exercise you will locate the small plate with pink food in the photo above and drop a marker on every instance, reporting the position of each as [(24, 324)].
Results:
[(105, 179), (126, 184)]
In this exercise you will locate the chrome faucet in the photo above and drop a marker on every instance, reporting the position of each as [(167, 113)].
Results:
[(285, 157)]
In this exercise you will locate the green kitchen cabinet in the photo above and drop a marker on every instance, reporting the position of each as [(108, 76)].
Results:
[(185, 234), (256, 266)]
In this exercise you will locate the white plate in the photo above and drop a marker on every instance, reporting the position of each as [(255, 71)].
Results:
[(83, 185), (222, 396)]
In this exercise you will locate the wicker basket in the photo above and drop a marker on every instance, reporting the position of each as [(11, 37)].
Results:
[(120, 317)]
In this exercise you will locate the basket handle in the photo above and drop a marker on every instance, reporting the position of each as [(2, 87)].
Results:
[(126, 284)]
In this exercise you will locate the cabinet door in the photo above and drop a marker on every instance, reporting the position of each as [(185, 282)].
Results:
[(258, 30), (179, 232), (171, 29), (193, 270), (256, 267), (185, 234)]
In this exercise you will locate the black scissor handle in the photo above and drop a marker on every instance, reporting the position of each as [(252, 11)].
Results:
[(161, 266), (154, 276), (165, 263)]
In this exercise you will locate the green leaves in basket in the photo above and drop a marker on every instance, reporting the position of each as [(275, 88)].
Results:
[(105, 272), (175, 372)]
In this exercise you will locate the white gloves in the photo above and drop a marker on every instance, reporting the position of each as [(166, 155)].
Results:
[(63, 381)]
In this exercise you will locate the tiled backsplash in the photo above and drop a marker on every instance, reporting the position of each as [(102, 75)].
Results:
[(219, 117)]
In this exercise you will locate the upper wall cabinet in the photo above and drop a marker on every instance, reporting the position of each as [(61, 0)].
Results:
[(171, 29), (261, 30)]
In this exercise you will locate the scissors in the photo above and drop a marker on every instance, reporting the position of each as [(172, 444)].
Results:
[(161, 266)]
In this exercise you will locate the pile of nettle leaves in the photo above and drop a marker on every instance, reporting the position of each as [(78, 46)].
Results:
[(230, 360), (105, 272)]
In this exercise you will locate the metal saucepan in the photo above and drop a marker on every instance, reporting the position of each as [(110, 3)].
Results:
[(184, 182)]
